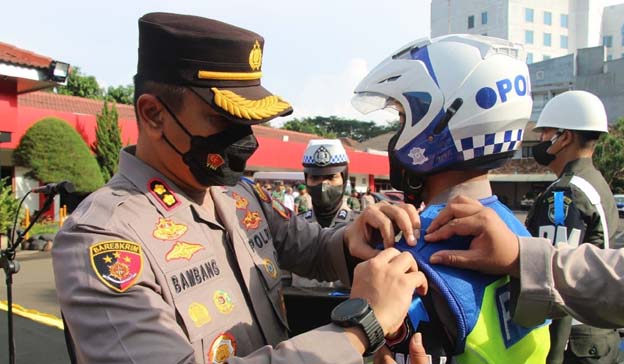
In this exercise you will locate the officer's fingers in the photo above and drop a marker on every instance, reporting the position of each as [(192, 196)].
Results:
[(363, 251), (417, 353), (419, 282), (459, 207), (376, 219), (403, 221), (413, 216), (383, 356), (403, 263), (471, 225), (386, 255), (466, 259)]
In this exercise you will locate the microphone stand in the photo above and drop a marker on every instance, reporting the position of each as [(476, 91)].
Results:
[(11, 266)]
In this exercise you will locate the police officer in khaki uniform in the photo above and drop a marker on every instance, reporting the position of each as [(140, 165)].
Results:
[(326, 168), (162, 265), (577, 208)]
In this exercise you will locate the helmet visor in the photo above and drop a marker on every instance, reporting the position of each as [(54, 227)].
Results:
[(367, 102)]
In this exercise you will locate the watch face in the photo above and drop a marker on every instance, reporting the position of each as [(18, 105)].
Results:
[(351, 308)]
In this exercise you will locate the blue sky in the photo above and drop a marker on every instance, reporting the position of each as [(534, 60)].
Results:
[(315, 51)]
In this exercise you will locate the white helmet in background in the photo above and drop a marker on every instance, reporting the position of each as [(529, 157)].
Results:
[(574, 110), (466, 100), (324, 157)]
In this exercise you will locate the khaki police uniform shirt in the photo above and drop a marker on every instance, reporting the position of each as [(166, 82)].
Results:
[(344, 216), (145, 275), (585, 282)]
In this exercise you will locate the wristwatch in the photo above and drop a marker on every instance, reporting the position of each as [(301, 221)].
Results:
[(356, 312)]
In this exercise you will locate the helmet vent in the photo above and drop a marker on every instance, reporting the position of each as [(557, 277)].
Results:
[(390, 79), (452, 110)]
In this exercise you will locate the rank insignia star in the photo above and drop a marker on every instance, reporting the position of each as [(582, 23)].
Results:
[(163, 193), (183, 250)]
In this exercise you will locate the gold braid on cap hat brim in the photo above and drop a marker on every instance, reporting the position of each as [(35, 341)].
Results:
[(243, 108)]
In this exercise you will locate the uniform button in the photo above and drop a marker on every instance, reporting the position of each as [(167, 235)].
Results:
[(593, 351)]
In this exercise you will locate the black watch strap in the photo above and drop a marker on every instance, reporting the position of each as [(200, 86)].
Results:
[(373, 331)]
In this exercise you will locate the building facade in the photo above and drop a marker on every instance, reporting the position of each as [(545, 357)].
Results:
[(584, 70), (547, 29)]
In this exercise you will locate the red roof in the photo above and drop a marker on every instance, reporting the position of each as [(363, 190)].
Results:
[(279, 149), (73, 104), (14, 55)]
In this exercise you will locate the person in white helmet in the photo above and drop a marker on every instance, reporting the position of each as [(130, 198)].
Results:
[(463, 103), (325, 167), (577, 208)]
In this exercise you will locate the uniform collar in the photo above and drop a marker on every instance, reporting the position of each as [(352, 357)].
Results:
[(478, 189), (162, 192), (578, 165)]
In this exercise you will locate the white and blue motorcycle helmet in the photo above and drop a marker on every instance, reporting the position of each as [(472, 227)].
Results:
[(466, 100)]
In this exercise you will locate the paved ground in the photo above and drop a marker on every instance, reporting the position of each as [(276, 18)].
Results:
[(33, 288)]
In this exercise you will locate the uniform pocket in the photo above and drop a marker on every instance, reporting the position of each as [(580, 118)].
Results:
[(590, 346)]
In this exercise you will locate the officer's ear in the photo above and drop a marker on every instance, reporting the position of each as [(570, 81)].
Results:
[(566, 138), (150, 113)]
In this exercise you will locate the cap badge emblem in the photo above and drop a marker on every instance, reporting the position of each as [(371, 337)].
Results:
[(322, 157), (255, 57)]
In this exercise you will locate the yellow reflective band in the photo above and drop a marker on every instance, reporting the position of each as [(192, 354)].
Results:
[(229, 76)]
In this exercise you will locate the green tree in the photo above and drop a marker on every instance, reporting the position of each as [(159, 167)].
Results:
[(609, 156), (79, 84), (8, 205), (55, 152), (121, 94), (337, 127), (107, 140), (307, 126)]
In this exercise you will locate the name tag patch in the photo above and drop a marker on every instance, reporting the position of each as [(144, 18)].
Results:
[(194, 275)]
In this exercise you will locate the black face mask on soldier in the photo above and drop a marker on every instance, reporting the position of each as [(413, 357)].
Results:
[(218, 159), (325, 197), (540, 153)]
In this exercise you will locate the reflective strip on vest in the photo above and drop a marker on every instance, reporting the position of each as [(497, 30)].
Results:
[(594, 198)]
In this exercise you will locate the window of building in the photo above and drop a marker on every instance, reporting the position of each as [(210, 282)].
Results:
[(547, 18), (564, 20), (528, 15), (546, 57), (528, 36), (529, 59), (547, 39), (484, 18), (527, 152), (471, 22), (622, 31), (563, 41), (607, 41), (609, 57)]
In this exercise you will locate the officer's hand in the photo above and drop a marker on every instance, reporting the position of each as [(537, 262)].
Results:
[(388, 282), (382, 219), (494, 248), (417, 354)]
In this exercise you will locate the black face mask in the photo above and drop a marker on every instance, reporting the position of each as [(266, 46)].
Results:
[(325, 197), (540, 153), (218, 159)]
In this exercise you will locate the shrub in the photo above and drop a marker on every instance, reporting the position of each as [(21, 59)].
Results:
[(54, 152)]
